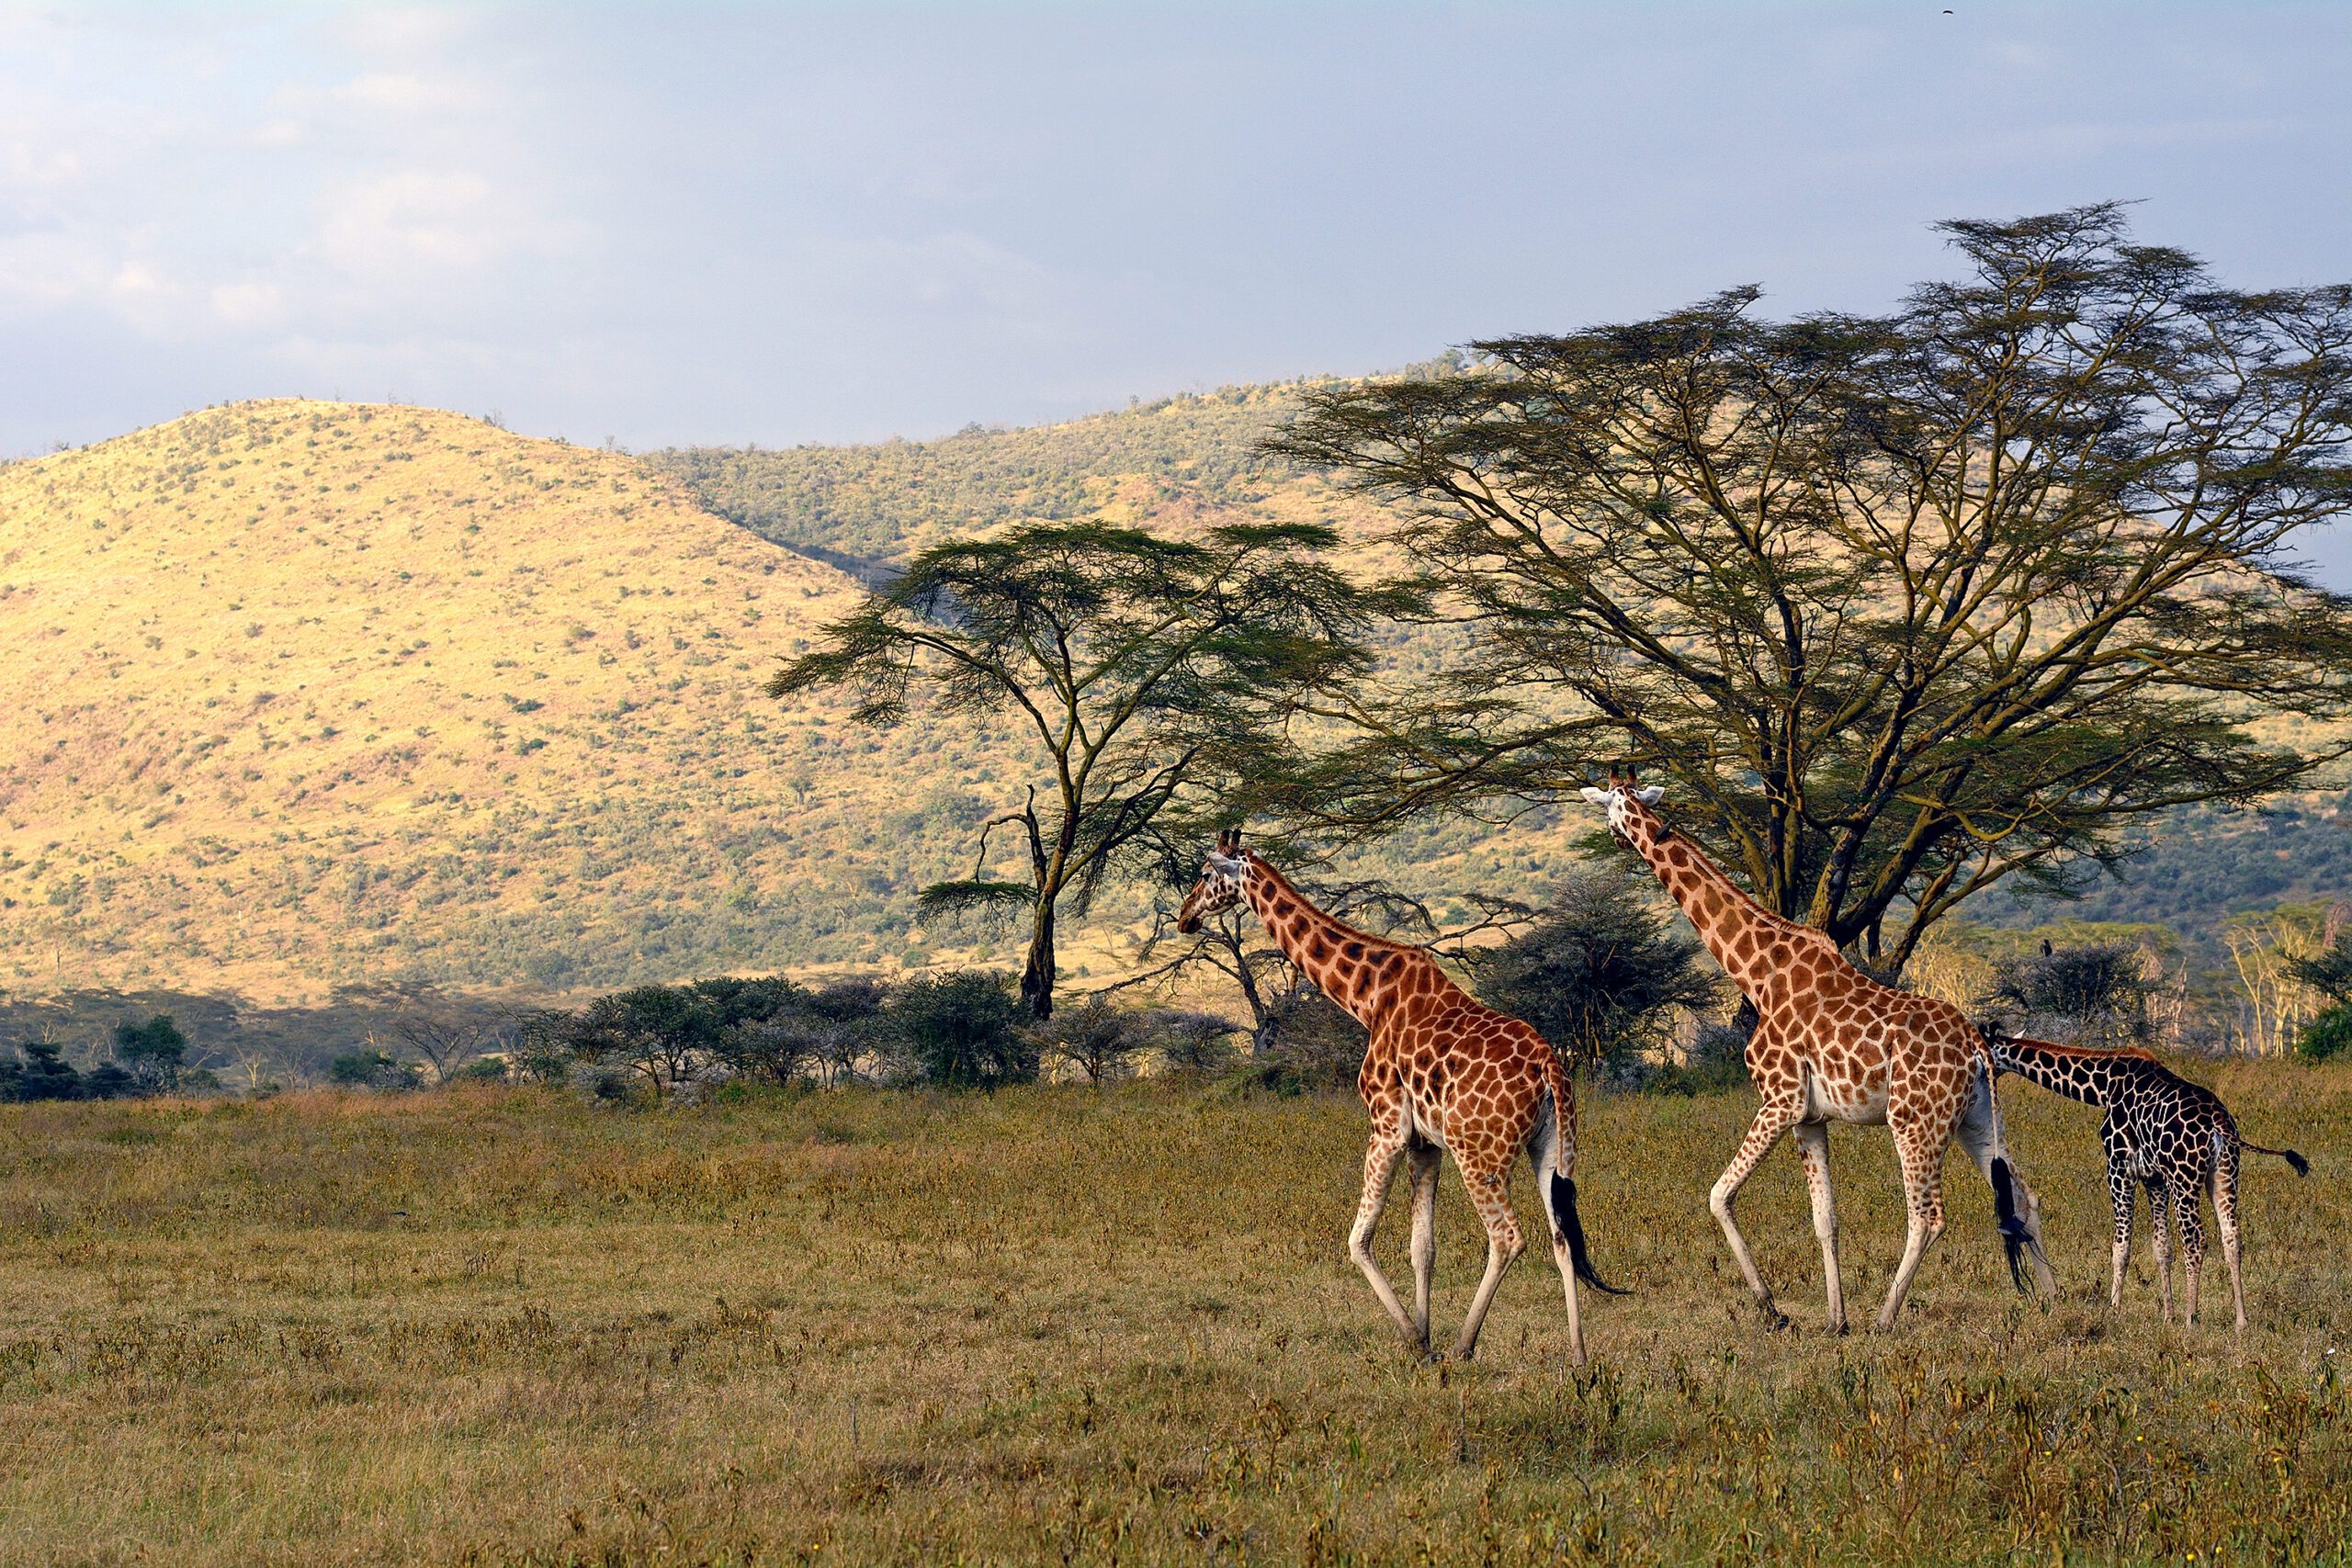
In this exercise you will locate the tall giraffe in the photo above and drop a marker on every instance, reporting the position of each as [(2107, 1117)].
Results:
[(2174, 1136), (1443, 1072), (1833, 1044)]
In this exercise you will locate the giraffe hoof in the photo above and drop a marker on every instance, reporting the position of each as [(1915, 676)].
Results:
[(1775, 1320)]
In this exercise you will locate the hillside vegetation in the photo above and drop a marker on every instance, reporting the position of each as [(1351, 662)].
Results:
[(320, 694), (309, 690), (315, 695)]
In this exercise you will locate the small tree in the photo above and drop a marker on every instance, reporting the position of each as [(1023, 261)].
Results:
[(1093, 1038), (1136, 663), (372, 1068), (44, 1073), (1600, 974), (961, 1030), (151, 1053), (2095, 991)]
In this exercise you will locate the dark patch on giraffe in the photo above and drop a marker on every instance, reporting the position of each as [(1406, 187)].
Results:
[(1352, 949)]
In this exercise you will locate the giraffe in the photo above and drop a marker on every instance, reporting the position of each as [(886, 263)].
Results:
[(1833, 1044), (1443, 1072), (2174, 1136)]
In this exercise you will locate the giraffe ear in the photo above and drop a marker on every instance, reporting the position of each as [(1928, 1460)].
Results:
[(1598, 796), (1651, 795)]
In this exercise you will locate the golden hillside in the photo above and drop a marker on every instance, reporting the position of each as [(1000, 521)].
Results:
[(315, 693), (306, 692)]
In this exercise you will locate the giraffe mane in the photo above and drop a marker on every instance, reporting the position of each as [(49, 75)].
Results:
[(2097, 1052)]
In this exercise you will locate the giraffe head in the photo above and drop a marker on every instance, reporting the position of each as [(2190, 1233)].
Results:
[(1628, 807), (1219, 888)]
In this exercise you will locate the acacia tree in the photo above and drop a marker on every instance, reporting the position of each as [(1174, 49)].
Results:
[(1904, 605), (1138, 663)]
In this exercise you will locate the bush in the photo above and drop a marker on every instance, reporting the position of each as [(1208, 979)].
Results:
[(1093, 1038), (962, 1030), (2093, 991), (42, 1073), (368, 1069), (1190, 1043), (1600, 975), (2328, 1036)]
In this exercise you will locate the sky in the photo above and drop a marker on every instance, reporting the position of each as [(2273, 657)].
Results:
[(786, 223)]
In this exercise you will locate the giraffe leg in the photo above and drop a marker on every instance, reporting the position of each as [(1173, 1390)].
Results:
[(2121, 1194), (1380, 1160), (1490, 1195), (2187, 1197), (1919, 1149), (2225, 1220), (1542, 1156), (1812, 1147), (1423, 1160), (2160, 1240), (1772, 1119)]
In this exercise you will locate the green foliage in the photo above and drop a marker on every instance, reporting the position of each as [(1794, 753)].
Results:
[(1600, 974), (151, 1051), (2094, 989), (861, 507), (1878, 672), (2328, 1036), (368, 1069), (2329, 971), (962, 1030), (40, 1072), (1135, 665)]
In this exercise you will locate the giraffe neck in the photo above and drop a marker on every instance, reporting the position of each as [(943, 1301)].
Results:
[(1356, 970), (2094, 1077), (1733, 926)]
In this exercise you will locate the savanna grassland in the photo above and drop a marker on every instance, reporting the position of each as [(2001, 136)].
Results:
[(505, 1326)]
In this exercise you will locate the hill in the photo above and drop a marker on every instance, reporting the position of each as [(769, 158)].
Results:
[(309, 691), (311, 696), (318, 694)]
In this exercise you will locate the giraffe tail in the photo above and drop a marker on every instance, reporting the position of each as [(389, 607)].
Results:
[(1562, 1196), (2015, 1236), (2303, 1166)]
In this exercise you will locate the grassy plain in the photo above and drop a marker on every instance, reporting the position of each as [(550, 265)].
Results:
[(1055, 1325)]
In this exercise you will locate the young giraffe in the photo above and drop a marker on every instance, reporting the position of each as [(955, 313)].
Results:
[(2175, 1137), (1443, 1072), (1833, 1044)]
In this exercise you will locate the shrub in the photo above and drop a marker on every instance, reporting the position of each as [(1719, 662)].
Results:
[(1093, 1038), (42, 1073), (2095, 990), (1598, 974), (368, 1069), (151, 1051), (961, 1030), (2328, 1036), (1190, 1043)]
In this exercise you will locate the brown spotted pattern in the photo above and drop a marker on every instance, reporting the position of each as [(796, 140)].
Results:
[(2162, 1132), (1832, 1045), (1442, 1072)]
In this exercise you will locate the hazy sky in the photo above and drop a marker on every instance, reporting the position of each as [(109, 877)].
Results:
[(784, 223)]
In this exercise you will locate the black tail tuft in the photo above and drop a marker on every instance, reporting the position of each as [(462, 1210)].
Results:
[(2303, 1166), (2004, 1210), (1564, 1214)]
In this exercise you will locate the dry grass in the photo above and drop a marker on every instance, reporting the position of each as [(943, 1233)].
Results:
[(1052, 1325)]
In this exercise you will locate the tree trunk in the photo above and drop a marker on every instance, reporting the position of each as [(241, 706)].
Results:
[(1037, 972)]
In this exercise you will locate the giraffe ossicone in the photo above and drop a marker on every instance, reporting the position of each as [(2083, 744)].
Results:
[(1442, 1072), (1832, 1045)]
